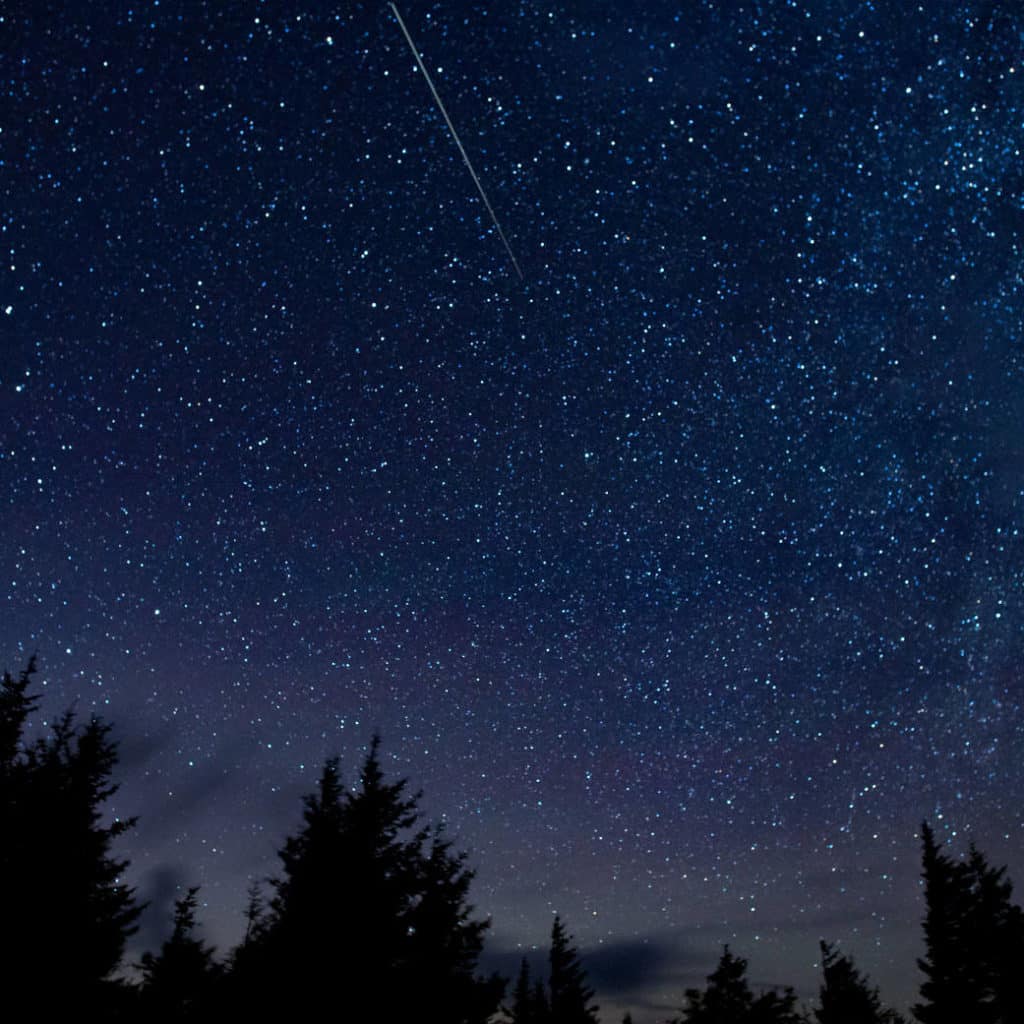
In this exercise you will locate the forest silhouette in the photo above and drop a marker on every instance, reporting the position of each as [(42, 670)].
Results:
[(369, 916)]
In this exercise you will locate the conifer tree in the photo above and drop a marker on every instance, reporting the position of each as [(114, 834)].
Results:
[(60, 886), (974, 940), (529, 999), (773, 1007), (729, 1000), (570, 997), (178, 983), (949, 994), (995, 927), (15, 707), (540, 1010), (369, 913), (443, 941), (254, 909), (845, 996), (522, 996)]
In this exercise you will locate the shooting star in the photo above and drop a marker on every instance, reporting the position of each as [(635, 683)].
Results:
[(455, 136)]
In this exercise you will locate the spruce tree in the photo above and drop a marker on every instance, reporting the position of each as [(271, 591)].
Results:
[(369, 913), (529, 999), (66, 908), (774, 1007), (949, 993), (845, 995), (443, 941), (570, 998), (178, 982), (727, 999), (996, 934), (974, 940), (540, 1010), (15, 707), (522, 997)]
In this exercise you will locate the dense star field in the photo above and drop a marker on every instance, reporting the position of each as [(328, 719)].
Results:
[(683, 575)]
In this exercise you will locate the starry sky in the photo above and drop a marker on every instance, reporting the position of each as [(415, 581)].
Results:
[(683, 575)]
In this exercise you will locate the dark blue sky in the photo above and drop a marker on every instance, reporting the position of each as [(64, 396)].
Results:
[(683, 575)]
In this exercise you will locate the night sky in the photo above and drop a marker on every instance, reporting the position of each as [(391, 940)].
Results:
[(683, 575)]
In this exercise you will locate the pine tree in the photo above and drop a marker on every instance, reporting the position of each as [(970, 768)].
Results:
[(776, 1008), (60, 886), (569, 1001), (444, 942), (522, 997), (974, 940), (1009, 987), (178, 983), (294, 947), (369, 912), (729, 1000), (254, 909), (846, 997), (948, 993), (15, 707), (529, 999), (996, 934), (540, 1010)]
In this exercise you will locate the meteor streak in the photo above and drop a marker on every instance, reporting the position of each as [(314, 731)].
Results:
[(455, 136)]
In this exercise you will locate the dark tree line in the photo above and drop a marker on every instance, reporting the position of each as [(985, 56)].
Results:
[(369, 916)]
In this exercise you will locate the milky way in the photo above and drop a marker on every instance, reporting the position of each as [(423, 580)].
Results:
[(684, 575)]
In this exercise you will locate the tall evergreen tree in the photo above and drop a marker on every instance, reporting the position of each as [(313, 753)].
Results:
[(60, 885), (369, 913), (522, 996), (727, 999), (570, 997), (254, 910), (949, 995), (845, 996), (540, 1009), (996, 930), (444, 943), (529, 999), (15, 706), (178, 982), (974, 941)]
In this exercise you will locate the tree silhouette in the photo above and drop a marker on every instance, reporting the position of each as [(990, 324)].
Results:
[(540, 1009), (444, 942), (996, 928), (569, 1001), (974, 940), (62, 894), (369, 912), (846, 997), (949, 993), (522, 997), (178, 982), (729, 1000), (15, 707)]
